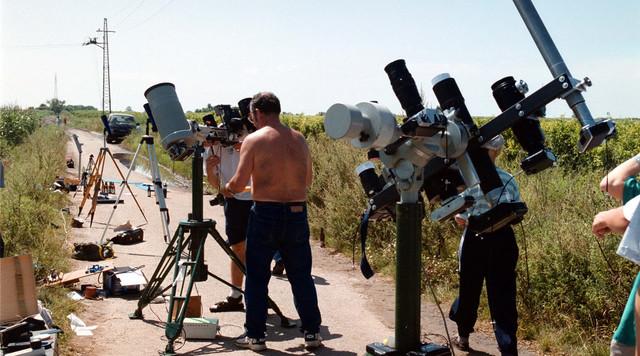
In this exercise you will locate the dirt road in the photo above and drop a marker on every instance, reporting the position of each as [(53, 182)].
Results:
[(355, 311)]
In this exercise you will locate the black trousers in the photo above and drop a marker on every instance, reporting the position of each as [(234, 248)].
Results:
[(491, 257)]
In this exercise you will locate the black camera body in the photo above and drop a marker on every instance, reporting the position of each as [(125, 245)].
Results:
[(217, 200)]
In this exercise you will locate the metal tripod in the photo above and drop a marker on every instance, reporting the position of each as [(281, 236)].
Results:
[(157, 183), (185, 255), (96, 179)]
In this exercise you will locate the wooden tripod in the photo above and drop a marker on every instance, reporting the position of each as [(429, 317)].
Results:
[(96, 179)]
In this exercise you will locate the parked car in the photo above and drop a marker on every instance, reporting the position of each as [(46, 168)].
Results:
[(121, 125)]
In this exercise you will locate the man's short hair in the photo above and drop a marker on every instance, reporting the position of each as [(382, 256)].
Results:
[(266, 102)]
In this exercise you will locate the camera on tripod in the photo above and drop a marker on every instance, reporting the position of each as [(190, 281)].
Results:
[(235, 123)]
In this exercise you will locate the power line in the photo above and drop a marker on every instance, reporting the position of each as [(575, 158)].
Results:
[(130, 13), (43, 45), (150, 17)]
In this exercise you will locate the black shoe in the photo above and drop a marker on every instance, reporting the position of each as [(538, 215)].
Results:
[(461, 343), (278, 269), (231, 304)]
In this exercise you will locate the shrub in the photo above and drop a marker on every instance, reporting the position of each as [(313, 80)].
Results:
[(30, 216), (15, 126)]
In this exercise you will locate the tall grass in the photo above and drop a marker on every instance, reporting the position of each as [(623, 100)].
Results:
[(31, 220), (30, 216)]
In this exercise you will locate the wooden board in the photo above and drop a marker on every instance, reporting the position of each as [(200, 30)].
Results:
[(18, 291), (75, 276)]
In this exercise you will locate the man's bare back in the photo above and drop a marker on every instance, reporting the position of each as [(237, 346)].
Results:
[(281, 158), (277, 159)]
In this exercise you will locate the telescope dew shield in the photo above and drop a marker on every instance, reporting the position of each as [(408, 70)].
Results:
[(368, 178), (170, 119), (344, 121), (449, 96), (366, 124), (404, 87)]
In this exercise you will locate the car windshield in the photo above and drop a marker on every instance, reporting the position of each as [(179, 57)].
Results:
[(123, 120)]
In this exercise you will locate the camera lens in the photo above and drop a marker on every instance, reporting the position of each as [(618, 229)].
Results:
[(404, 87)]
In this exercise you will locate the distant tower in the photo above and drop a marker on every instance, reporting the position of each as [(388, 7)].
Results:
[(106, 80), (55, 86)]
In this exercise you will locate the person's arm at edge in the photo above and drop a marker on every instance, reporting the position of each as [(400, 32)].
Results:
[(616, 178), (609, 221), (309, 179), (245, 167), (213, 172)]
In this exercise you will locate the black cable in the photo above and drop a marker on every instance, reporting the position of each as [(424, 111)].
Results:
[(444, 321), (353, 246), (526, 256)]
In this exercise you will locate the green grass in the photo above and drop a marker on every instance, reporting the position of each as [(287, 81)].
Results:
[(30, 212)]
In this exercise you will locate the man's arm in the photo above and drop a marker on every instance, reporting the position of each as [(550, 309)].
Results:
[(609, 221), (613, 183), (309, 178), (245, 167), (213, 171)]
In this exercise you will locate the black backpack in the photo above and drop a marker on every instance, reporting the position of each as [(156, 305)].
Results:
[(128, 237), (91, 251)]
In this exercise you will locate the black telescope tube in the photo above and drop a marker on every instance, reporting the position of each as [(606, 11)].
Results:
[(449, 96), (526, 130), (404, 87)]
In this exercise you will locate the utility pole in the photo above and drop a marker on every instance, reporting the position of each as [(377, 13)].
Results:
[(106, 79)]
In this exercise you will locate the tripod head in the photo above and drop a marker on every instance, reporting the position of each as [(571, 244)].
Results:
[(150, 120)]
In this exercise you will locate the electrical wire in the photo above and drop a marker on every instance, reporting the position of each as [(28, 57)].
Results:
[(130, 13), (150, 17), (444, 321), (526, 256)]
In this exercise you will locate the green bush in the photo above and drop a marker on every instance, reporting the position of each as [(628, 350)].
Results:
[(30, 215), (15, 126)]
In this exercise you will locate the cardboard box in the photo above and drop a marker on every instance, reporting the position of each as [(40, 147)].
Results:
[(194, 308), (18, 293)]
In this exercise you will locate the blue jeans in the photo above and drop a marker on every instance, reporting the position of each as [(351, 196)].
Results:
[(279, 227)]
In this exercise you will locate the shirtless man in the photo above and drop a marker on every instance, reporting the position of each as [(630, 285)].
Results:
[(277, 160)]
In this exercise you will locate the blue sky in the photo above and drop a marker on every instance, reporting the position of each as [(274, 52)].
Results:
[(311, 53)]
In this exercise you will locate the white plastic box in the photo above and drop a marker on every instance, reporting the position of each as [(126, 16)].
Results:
[(200, 328)]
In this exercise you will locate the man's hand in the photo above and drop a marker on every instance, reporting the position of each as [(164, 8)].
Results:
[(212, 161), (609, 221), (460, 220), (226, 192)]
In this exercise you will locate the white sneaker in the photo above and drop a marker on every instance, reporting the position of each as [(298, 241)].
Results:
[(312, 341), (246, 342)]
